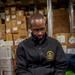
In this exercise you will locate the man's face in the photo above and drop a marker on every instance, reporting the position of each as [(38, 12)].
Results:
[(38, 28)]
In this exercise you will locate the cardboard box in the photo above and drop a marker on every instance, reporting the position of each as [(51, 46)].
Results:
[(20, 13), (8, 72), (18, 41), (15, 37), (21, 18), (70, 45), (13, 10), (23, 33), (21, 26), (71, 51), (7, 17), (62, 37), (6, 52), (9, 37), (13, 22), (8, 30), (8, 43), (55, 12), (61, 21), (14, 47), (7, 10), (8, 24), (14, 29), (71, 38), (64, 46), (2, 43), (14, 62), (63, 11), (21, 23), (7, 64), (13, 16), (2, 32)]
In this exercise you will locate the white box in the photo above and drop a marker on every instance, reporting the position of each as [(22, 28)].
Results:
[(71, 51), (6, 52), (2, 42), (61, 38), (7, 64), (64, 48), (10, 43), (8, 73)]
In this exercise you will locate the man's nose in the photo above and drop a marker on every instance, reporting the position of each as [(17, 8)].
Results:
[(39, 32)]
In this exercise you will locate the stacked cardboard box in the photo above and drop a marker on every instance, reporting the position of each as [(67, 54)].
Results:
[(8, 24), (2, 32), (15, 24), (67, 41), (6, 60), (61, 21)]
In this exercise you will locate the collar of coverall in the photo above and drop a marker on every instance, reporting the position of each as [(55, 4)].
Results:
[(36, 40)]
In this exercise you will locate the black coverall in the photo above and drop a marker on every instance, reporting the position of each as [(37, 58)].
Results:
[(47, 58)]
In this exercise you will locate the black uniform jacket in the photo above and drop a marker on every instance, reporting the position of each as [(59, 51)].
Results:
[(46, 58)]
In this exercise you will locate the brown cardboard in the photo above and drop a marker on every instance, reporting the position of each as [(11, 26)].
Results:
[(14, 47), (23, 33), (2, 32), (65, 35), (63, 11), (7, 10), (21, 26), (8, 30), (9, 37), (13, 10), (15, 37), (61, 21), (7, 17), (14, 29), (71, 45), (8, 24), (22, 18), (13, 23), (13, 16), (21, 22), (20, 13)]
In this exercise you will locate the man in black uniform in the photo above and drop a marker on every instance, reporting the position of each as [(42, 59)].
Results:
[(40, 54)]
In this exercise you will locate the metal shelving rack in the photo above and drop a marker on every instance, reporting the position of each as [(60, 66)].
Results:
[(71, 16), (50, 22)]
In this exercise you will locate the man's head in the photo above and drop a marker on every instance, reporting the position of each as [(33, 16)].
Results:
[(37, 23)]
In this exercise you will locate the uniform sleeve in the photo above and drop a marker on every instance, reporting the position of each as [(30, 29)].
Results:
[(21, 62), (60, 61)]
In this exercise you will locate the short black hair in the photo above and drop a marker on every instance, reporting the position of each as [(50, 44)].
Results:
[(36, 16)]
